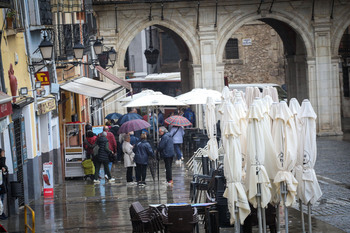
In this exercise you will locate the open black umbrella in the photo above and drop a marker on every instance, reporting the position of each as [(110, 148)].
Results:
[(113, 116), (128, 117)]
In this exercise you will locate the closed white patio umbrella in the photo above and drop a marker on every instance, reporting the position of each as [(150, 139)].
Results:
[(199, 96), (210, 123), (308, 188), (257, 181), (285, 140), (235, 193)]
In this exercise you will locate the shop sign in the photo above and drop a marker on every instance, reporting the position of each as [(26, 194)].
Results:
[(48, 179), (43, 77), (46, 106), (5, 109), (247, 41)]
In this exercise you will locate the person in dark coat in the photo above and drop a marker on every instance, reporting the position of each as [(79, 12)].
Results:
[(142, 151), (89, 144), (3, 186), (167, 152), (103, 157)]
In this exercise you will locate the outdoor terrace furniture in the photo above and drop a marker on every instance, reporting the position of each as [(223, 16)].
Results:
[(180, 219), (145, 220)]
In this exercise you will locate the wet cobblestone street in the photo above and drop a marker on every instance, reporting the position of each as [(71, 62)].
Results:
[(81, 206)]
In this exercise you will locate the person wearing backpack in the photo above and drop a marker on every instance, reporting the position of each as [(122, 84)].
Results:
[(177, 133)]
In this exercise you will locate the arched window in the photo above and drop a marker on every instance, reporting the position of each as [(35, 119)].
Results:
[(231, 49)]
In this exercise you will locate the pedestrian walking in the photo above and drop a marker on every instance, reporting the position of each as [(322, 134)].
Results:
[(128, 159), (112, 145), (142, 151), (102, 157), (177, 133), (166, 150)]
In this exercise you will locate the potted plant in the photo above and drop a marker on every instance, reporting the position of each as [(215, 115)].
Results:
[(10, 16)]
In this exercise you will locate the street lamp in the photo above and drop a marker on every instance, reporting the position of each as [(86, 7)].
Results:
[(78, 51), (98, 46), (46, 48), (112, 56)]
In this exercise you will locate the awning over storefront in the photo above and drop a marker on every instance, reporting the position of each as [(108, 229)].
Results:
[(92, 88), (5, 104), (114, 78)]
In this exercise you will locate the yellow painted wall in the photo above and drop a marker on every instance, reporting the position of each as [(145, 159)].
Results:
[(13, 44)]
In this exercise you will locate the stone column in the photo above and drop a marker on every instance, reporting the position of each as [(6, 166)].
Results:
[(219, 85), (185, 76), (196, 83), (208, 40), (327, 83)]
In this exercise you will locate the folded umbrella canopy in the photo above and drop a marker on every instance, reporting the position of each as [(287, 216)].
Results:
[(177, 120), (234, 192), (257, 182), (133, 125), (210, 124), (128, 117)]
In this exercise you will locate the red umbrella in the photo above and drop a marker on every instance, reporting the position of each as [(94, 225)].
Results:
[(133, 125), (177, 121)]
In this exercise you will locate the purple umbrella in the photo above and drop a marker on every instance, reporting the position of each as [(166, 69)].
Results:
[(133, 125)]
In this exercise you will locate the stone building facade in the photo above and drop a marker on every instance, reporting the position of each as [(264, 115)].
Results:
[(311, 32), (260, 56)]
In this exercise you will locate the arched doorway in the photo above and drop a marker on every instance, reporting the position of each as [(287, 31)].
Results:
[(174, 56), (270, 51)]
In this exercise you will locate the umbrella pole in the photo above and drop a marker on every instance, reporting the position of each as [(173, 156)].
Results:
[(157, 140), (302, 216), (278, 217), (263, 219), (237, 224), (309, 216), (258, 198), (284, 195)]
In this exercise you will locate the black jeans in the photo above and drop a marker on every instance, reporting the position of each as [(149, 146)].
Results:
[(141, 171), (168, 164), (129, 174), (97, 164)]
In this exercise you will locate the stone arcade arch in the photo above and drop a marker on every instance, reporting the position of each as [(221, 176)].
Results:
[(206, 34), (294, 46)]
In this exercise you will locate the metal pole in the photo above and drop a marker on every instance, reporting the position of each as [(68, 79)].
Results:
[(237, 224), (302, 216), (258, 198), (263, 219), (284, 204), (309, 216), (278, 218)]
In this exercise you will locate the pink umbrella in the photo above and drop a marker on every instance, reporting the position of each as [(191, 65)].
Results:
[(177, 121), (133, 125)]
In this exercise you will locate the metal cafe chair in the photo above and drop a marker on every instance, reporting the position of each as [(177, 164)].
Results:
[(180, 219), (145, 220)]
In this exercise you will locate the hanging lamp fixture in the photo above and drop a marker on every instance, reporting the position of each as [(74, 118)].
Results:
[(151, 53)]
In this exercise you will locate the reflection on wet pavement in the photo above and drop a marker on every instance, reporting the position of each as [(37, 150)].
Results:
[(81, 206)]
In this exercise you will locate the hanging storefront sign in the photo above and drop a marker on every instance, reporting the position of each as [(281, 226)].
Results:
[(13, 146), (46, 106), (24, 143), (48, 179), (43, 77), (5, 104)]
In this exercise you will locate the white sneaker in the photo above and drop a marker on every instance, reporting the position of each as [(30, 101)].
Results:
[(106, 177), (111, 180), (130, 183), (96, 181)]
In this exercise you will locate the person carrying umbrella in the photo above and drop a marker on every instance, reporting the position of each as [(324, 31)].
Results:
[(166, 149), (177, 133), (142, 151)]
